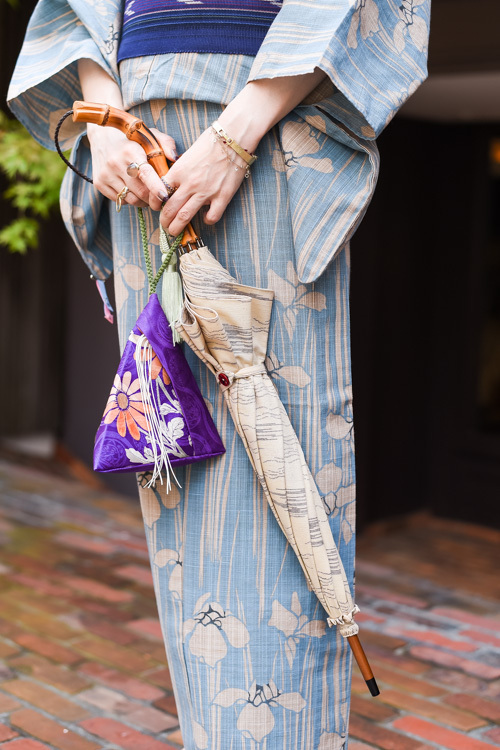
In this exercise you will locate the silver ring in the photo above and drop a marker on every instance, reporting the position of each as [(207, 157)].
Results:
[(134, 167), (120, 198)]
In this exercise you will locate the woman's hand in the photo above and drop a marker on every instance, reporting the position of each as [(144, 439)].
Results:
[(112, 152), (203, 176)]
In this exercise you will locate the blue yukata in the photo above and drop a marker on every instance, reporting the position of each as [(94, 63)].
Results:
[(253, 663)]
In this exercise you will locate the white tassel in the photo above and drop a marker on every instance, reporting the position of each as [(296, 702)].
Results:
[(171, 288), (144, 358)]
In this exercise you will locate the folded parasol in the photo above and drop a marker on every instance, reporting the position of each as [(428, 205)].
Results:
[(226, 324)]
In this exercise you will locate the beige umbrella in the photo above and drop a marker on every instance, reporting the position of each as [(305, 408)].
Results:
[(226, 324)]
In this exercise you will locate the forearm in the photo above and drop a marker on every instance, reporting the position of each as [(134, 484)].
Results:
[(98, 86), (263, 103)]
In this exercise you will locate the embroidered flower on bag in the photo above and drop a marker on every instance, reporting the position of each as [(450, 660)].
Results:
[(210, 630), (125, 405), (256, 720), (156, 365), (294, 625)]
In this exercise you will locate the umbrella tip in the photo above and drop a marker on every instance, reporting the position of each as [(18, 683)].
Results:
[(373, 687)]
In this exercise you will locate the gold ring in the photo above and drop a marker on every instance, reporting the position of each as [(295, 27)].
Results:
[(134, 167), (120, 198)]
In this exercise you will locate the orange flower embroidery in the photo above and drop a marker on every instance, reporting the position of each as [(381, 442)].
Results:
[(156, 365), (125, 405)]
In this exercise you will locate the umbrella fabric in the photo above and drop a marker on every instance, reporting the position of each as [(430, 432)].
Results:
[(226, 324)]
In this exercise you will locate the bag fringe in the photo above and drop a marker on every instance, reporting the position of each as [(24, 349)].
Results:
[(144, 359)]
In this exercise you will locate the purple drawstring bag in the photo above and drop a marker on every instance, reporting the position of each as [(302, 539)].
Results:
[(155, 417)]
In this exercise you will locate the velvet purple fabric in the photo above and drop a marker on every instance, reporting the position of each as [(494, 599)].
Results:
[(122, 442)]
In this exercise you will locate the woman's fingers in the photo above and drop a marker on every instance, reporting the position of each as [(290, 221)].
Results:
[(179, 211), (153, 186), (167, 143), (111, 189), (112, 153), (215, 211), (204, 175), (132, 200)]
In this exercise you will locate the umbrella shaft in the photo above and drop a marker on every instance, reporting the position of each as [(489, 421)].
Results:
[(363, 664)]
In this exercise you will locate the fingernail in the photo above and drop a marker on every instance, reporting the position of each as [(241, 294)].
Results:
[(163, 196), (173, 155)]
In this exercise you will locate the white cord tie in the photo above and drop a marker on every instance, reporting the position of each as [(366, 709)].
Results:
[(226, 379)]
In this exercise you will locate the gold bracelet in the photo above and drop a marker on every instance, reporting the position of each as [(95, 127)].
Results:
[(248, 158), (218, 139)]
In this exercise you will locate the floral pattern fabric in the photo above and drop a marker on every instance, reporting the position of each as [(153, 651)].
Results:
[(254, 666), (253, 661)]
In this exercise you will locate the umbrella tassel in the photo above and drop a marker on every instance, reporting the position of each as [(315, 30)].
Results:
[(144, 359), (171, 287)]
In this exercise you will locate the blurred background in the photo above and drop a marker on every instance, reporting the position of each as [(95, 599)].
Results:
[(82, 658), (425, 300)]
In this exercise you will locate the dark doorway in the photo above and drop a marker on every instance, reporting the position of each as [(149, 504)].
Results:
[(426, 325)]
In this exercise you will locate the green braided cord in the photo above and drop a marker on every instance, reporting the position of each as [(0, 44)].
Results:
[(147, 258), (173, 247), (153, 281)]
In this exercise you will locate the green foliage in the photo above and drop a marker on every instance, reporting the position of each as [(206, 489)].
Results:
[(20, 234), (34, 175)]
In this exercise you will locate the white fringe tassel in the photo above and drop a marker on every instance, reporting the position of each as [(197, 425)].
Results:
[(144, 359)]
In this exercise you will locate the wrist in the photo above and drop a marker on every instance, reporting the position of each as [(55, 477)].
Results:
[(99, 134), (262, 103), (244, 119)]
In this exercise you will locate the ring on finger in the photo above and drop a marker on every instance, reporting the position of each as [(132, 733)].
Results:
[(120, 198), (169, 189), (134, 167)]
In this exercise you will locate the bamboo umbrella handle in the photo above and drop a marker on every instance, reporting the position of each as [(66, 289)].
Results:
[(363, 664), (135, 130)]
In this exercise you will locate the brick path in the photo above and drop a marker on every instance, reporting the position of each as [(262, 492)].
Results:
[(82, 664)]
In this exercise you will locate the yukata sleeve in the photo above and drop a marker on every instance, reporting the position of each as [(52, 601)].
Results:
[(374, 54), (44, 86), (45, 81)]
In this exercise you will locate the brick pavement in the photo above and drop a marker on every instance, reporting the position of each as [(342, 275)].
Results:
[(82, 664)]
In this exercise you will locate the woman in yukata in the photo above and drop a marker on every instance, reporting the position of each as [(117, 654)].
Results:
[(306, 86)]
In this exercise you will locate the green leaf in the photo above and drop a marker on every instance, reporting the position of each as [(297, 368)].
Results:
[(34, 177), (20, 235)]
